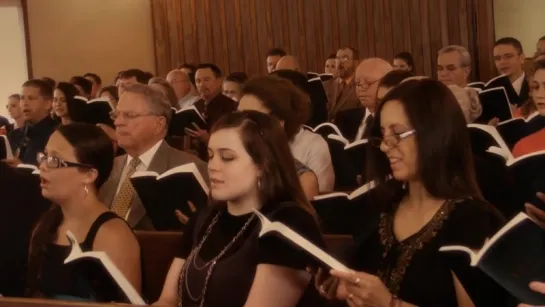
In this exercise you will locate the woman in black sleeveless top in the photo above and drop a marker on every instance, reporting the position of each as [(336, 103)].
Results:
[(77, 160), (222, 262)]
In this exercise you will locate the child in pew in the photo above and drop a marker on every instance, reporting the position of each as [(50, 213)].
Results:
[(78, 159), (250, 167)]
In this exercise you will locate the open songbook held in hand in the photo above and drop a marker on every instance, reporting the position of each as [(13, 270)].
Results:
[(5, 148), (100, 264), (296, 239), (163, 194), (186, 118), (513, 257)]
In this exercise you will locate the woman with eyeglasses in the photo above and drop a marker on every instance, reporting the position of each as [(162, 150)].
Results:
[(76, 162), (432, 200)]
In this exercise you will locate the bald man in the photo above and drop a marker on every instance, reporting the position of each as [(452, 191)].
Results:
[(368, 75), (185, 92), (288, 62)]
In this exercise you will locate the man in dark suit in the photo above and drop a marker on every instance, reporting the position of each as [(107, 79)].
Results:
[(29, 140), (341, 91), (141, 119), (509, 59), (21, 206), (213, 104)]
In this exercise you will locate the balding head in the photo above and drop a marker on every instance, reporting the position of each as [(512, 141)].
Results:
[(288, 62), (368, 75), (179, 81)]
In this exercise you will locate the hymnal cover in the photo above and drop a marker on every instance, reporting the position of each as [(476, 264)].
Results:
[(97, 111), (5, 148), (29, 168), (515, 129), (513, 257), (163, 194), (495, 104), (319, 101), (485, 136), (287, 233), (356, 152), (325, 129), (185, 118), (97, 263), (340, 212)]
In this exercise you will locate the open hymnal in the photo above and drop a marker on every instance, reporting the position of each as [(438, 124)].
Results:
[(485, 136), (495, 104), (325, 129), (97, 111), (163, 194), (287, 233), (5, 148), (32, 169), (186, 118), (513, 257), (101, 261)]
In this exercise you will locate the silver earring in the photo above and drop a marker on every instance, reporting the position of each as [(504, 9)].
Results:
[(259, 183), (86, 190)]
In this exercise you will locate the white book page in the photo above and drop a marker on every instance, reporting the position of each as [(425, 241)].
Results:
[(331, 195), (187, 168)]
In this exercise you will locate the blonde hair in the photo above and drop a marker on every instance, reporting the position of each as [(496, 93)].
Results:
[(468, 99)]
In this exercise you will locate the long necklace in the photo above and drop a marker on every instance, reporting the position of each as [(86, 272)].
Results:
[(210, 264)]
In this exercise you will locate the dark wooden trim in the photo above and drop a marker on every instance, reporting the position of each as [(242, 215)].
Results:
[(27, 40), (154, 36)]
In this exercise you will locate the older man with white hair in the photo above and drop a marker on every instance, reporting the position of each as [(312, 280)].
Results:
[(454, 65)]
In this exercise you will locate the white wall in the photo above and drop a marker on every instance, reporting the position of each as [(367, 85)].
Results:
[(13, 61), (522, 19), (72, 37)]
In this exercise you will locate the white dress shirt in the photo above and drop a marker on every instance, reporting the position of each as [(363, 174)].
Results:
[(145, 160), (517, 85), (363, 125), (312, 150)]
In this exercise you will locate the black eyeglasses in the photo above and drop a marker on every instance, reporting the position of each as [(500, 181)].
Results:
[(55, 162), (391, 140)]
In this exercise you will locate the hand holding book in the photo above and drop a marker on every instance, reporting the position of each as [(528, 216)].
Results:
[(537, 215), (182, 217), (538, 287)]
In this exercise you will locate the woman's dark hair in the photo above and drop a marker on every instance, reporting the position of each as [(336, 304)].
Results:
[(445, 160), (86, 85), (237, 77), (74, 106), (283, 99), (112, 90), (92, 147), (408, 58), (268, 147), (394, 78)]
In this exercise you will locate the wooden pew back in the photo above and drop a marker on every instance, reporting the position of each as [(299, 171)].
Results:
[(158, 251)]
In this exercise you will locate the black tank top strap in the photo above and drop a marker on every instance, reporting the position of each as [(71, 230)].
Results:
[(101, 219)]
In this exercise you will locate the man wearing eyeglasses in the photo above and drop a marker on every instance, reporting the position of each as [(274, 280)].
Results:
[(27, 141), (453, 65), (340, 91), (141, 120), (509, 59)]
